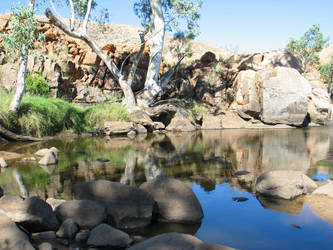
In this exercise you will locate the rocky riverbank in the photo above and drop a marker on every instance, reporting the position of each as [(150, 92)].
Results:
[(238, 90)]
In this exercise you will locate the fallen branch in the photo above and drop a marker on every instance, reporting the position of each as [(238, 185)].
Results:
[(10, 136)]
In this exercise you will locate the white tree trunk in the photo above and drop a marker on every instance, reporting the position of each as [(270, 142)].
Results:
[(20, 85), (152, 88)]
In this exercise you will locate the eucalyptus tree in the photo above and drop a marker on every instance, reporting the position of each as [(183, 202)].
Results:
[(157, 16), (308, 45), (21, 38)]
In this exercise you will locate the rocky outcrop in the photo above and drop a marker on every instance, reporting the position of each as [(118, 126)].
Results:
[(117, 128), (33, 213), (175, 201), (85, 213), (284, 184), (127, 207), (107, 236), (176, 241), (281, 96)]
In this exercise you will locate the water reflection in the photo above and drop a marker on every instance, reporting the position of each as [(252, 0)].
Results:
[(219, 165)]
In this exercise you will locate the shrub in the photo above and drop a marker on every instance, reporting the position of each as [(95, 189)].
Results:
[(326, 72), (36, 84)]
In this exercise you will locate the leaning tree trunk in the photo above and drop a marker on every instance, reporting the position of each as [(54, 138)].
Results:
[(152, 87), (20, 85)]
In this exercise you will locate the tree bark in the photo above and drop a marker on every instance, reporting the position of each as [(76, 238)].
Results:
[(20, 85), (152, 88)]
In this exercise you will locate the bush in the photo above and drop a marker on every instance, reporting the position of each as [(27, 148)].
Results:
[(37, 85), (326, 72)]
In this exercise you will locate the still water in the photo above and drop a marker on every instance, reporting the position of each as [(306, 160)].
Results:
[(207, 161)]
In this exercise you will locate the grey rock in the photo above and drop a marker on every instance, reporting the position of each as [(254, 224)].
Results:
[(107, 236), (49, 158), (140, 129), (45, 246), (82, 236), (33, 213), (11, 237), (285, 184), (117, 128), (45, 235), (68, 229), (127, 206), (3, 163), (42, 152), (175, 200), (284, 96), (85, 213), (176, 241)]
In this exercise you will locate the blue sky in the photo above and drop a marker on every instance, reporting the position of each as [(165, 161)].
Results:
[(241, 25)]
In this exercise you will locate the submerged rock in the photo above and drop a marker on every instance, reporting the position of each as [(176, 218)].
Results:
[(176, 241), (107, 236), (127, 206), (175, 200), (11, 237), (33, 213), (285, 184), (85, 213)]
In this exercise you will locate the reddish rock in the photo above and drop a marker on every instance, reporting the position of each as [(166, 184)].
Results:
[(90, 58), (4, 19), (208, 58)]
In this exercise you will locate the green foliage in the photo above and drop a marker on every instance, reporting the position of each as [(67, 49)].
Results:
[(23, 32), (306, 47), (42, 116), (96, 116), (36, 84), (326, 72), (181, 16)]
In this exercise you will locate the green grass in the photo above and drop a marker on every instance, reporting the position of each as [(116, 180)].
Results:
[(42, 116), (95, 116), (193, 108)]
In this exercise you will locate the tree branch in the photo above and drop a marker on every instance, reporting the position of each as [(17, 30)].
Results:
[(167, 76), (85, 21), (72, 22), (55, 9), (137, 59), (111, 66)]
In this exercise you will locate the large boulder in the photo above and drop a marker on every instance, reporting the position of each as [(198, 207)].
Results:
[(284, 95), (127, 206), (181, 122), (33, 213), (49, 158), (11, 237), (85, 213), (285, 184), (175, 200), (107, 236), (176, 241)]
